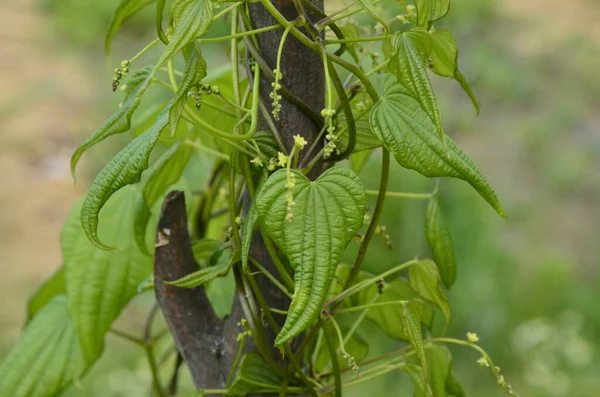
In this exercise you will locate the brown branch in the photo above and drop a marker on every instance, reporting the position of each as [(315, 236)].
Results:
[(204, 340)]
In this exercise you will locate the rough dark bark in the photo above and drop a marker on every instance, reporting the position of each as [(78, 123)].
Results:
[(204, 340), (304, 76), (208, 344)]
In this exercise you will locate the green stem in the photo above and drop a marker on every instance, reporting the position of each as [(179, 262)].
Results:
[(362, 252), (227, 10), (128, 337), (367, 306), (237, 359), (415, 196), (273, 324), (363, 284), (235, 71), (154, 371), (313, 46), (238, 35), (226, 135), (143, 51), (233, 210), (350, 122), (376, 69), (208, 150), (270, 277), (287, 280), (356, 40), (337, 378)]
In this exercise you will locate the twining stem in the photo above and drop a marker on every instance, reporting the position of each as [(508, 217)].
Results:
[(235, 71), (356, 40), (345, 105), (238, 357), (271, 277), (348, 291), (128, 337), (227, 10), (252, 315), (337, 378), (343, 15), (415, 196), (314, 46), (143, 51), (207, 150), (154, 371), (238, 35), (217, 132), (273, 324), (362, 252), (367, 306)]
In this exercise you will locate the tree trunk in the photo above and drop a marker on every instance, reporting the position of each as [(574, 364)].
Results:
[(207, 344)]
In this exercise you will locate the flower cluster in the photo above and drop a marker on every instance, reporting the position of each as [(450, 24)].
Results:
[(410, 14), (484, 361), (121, 72), (274, 95), (331, 137), (202, 89), (244, 334), (472, 337), (352, 363), (382, 231)]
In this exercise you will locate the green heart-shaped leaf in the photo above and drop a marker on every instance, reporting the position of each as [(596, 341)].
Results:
[(400, 122), (326, 216), (47, 359)]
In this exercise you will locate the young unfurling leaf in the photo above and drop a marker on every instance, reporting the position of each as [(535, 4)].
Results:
[(409, 63), (125, 10), (425, 279), (191, 19), (327, 213), (439, 240), (120, 121), (195, 71), (124, 169), (400, 122), (429, 11), (411, 325), (444, 58)]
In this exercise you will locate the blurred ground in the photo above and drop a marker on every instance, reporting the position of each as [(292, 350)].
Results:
[(40, 114), (527, 285)]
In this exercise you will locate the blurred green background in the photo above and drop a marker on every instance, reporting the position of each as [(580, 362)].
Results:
[(527, 285)]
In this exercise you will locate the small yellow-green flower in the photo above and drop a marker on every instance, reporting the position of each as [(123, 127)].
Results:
[(283, 159), (299, 142), (257, 161), (472, 337)]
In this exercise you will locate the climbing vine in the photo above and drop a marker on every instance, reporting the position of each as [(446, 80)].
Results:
[(296, 197)]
